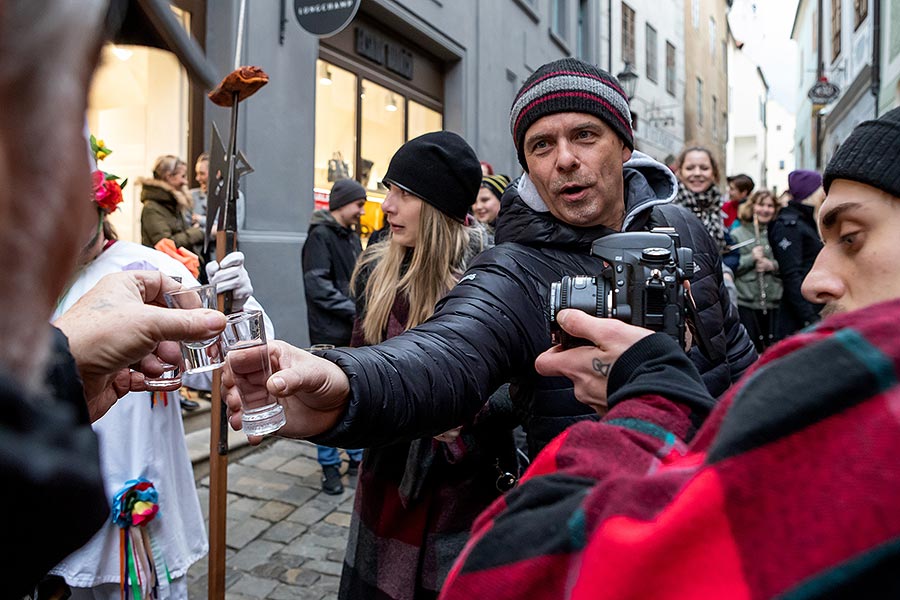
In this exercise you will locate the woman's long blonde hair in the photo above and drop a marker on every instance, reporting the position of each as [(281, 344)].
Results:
[(437, 261)]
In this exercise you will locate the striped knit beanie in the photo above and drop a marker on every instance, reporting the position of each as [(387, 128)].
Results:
[(869, 155), (497, 184), (570, 85)]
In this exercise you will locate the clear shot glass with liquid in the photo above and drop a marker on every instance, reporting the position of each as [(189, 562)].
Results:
[(248, 356), (203, 355)]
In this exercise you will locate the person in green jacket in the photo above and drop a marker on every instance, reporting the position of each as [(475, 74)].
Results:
[(758, 284), (168, 206)]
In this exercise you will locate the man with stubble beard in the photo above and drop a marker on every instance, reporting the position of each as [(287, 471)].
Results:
[(790, 487)]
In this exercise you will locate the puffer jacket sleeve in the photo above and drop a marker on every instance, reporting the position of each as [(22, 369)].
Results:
[(318, 278), (439, 374), (718, 315)]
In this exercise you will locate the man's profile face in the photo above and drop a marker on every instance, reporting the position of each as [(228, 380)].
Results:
[(858, 266), (575, 162), (349, 214)]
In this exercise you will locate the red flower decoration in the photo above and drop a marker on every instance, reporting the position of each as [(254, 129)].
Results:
[(107, 191)]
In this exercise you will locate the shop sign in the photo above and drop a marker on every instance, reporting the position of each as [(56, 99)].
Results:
[(823, 92), (393, 57), (325, 17)]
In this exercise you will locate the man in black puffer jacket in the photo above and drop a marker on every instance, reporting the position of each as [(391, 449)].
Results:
[(572, 129), (329, 256)]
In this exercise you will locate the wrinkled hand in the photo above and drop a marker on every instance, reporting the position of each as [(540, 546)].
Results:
[(313, 391), (231, 275), (120, 323), (588, 367)]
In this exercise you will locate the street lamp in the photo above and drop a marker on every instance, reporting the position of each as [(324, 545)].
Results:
[(628, 79)]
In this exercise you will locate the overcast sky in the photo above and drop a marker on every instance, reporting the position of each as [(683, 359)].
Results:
[(765, 28)]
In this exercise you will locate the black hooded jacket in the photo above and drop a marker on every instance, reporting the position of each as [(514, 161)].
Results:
[(329, 256), (490, 328)]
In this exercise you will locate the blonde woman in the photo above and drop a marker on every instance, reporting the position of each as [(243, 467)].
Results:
[(416, 501), (166, 200), (756, 277)]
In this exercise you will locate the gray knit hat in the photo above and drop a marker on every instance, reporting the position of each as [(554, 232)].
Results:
[(570, 85), (870, 155), (344, 192)]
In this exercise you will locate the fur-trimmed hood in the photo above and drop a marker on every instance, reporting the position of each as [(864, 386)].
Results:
[(162, 192)]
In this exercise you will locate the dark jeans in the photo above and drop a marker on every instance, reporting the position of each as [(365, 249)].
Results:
[(760, 326)]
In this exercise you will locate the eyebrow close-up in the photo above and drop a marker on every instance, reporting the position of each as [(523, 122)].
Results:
[(832, 216)]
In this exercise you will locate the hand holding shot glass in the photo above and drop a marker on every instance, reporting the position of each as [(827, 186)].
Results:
[(248, 358), (203, 355)]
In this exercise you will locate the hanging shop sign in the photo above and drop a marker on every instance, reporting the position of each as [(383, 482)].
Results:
[(823, 92), (325, 17)]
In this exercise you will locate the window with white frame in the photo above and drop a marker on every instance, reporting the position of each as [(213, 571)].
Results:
[(650, 54)]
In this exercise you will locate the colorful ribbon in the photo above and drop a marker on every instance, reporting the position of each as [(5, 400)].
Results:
[(134, 506)]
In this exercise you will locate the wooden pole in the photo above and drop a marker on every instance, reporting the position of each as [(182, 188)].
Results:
[(226, 242)]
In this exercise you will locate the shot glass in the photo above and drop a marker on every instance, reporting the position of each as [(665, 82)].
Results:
[(248, 356), (203, 355), (171, 376)]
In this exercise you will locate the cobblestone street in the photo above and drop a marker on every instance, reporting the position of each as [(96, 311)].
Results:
[(285, 538)]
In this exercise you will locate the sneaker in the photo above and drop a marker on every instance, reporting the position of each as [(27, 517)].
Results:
[(331, 480), (188, 405), (353, 468)]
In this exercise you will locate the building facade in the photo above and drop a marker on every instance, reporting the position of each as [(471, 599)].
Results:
[(748, 92), (888, 23), (334, 107), (706, 75), (852, 57), (779, 146), (648, 37)]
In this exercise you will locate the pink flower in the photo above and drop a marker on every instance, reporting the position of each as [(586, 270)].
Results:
[(107, 192)]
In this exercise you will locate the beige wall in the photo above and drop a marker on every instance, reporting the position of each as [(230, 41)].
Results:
[(712, 69)]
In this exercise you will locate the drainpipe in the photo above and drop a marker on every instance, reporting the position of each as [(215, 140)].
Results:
[(876, 53), (609, 38), (820, 70)]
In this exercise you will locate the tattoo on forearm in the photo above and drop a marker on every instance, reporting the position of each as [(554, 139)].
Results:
[(601, 367)]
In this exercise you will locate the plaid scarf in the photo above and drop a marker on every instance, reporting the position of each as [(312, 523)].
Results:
[(708, 208)]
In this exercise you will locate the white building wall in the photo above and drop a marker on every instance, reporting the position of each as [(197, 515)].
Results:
[(660, 115), (805, 152), (780, 145), (748, 94)]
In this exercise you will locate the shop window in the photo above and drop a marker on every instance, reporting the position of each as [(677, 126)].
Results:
[(383, 116), (335, 153), (138, 105), (360, 124), (423, 120)]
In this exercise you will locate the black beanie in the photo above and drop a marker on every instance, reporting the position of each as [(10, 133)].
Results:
[(441, 169), (870, 155), (344, 192), (570, 85)]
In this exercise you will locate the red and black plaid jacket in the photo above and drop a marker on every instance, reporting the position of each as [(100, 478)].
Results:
[(791, 488)]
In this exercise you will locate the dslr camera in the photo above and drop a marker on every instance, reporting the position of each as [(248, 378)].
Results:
[(642, 283)]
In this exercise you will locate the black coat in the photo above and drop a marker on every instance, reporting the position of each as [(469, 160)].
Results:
[(490, 328), (53, 499), (329, 256), (795, 244)]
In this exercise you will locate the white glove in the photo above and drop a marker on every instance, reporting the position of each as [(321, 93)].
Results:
[(231, 276)]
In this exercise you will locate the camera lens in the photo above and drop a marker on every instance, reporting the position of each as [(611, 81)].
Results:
[(583, 293)]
